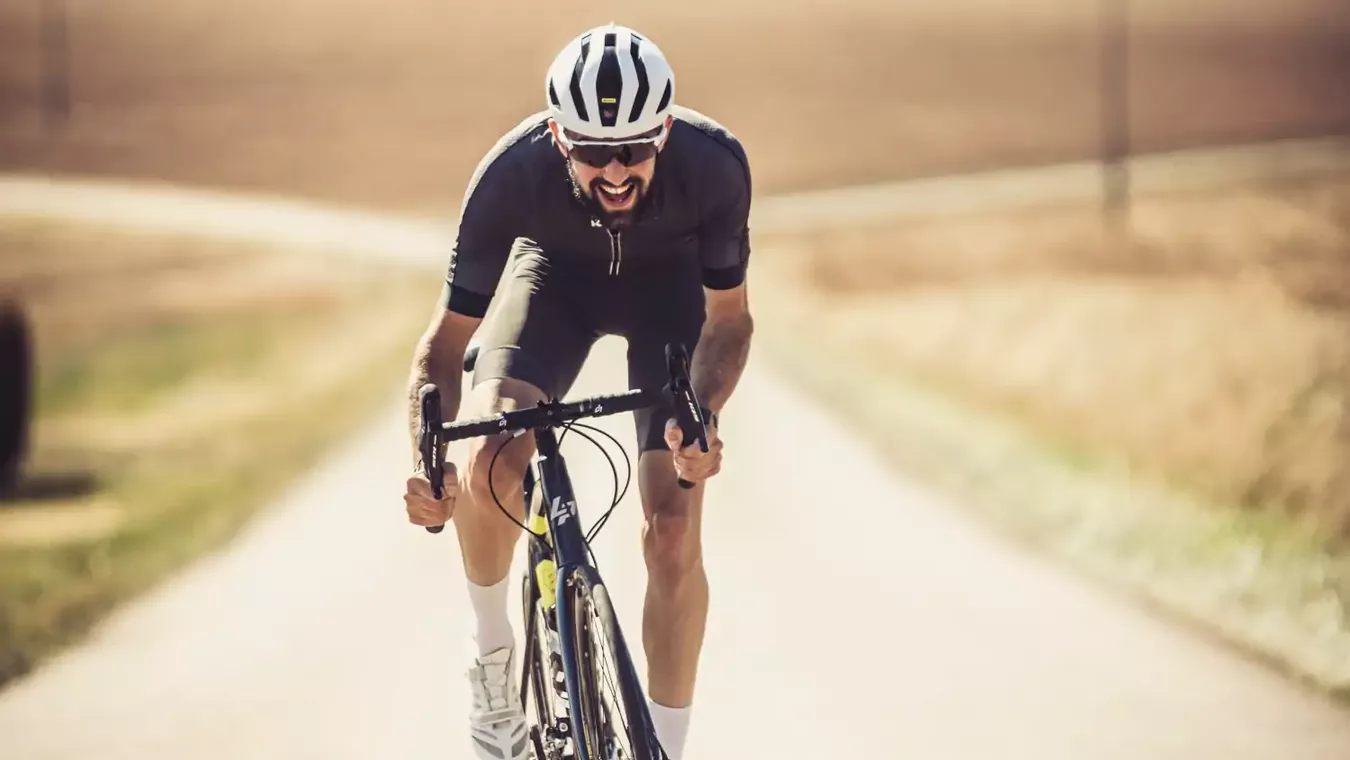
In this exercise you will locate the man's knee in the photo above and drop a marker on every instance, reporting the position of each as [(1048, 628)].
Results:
[(671, 539), (506, 471), (672, 548), (511, 455)]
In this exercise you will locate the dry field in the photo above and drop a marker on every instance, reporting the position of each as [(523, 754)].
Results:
[(1169, 414), (1213, 348), (179, 384), (393, 103)]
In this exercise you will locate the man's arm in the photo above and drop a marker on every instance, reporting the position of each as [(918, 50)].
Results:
[(724, 252), (439, 359), (483, 243), (723, 346)]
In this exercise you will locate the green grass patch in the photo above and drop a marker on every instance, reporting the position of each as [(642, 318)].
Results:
[(188, 501), (132, 371), (171, 413)]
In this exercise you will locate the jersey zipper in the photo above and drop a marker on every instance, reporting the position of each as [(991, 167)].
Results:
[(615, 251)]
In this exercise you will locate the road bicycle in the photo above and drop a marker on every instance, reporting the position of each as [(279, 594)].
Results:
[(573, 642)]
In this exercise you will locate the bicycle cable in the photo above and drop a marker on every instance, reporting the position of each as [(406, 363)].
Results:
[(595, 529), (627, 466), (492, 489)]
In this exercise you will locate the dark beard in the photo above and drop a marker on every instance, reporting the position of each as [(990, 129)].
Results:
[(610, 219)]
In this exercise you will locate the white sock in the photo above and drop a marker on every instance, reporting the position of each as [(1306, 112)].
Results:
[(489, 609), (672, 726)]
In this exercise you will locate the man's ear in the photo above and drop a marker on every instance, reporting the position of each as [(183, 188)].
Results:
[(670, 122), (557, 137)]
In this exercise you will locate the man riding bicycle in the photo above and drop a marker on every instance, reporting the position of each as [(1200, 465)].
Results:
[(613, 212)]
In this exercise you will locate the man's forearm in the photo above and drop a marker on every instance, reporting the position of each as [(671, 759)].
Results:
[(428, 367), (439, 359), (722, 351)]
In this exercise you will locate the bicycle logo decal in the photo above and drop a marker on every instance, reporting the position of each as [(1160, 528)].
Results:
[(559, 511)]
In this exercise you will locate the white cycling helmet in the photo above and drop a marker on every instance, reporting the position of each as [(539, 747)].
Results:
[(610, 83)]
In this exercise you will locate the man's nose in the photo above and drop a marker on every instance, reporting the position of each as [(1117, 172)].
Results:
[(615, 173)]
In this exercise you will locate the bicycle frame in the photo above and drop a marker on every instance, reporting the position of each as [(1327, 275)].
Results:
[(568, 552), (560, 503), (565, 548)]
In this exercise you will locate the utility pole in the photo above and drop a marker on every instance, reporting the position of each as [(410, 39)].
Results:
[(55, 52), (1115, 114)]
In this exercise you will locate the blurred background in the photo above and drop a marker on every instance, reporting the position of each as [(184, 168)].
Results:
[(1191, 332), (390, 105)]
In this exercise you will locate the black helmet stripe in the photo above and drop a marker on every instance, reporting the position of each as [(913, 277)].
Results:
[(665, 98), (577, 99), (643, 86), (609, 82)]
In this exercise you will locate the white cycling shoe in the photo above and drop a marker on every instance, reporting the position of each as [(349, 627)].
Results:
[(497, 726)]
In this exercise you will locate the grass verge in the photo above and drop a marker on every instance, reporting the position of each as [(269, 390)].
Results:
[(180, 384), (1167, 416)]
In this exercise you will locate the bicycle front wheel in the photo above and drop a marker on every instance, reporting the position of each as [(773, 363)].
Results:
[(610, 717)]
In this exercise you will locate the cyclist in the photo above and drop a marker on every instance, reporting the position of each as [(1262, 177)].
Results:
[(613, 212)]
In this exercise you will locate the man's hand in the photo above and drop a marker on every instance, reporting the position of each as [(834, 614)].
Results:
[(691, 463), (426, 510)]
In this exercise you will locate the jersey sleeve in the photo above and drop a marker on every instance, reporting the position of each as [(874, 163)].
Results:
[(483, 239), (724, 235)]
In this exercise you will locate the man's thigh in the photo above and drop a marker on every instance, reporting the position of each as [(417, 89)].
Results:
[(536, 333), (531, 346), (674, 313)]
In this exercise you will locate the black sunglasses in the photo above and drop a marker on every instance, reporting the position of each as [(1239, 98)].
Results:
[(599, 156), (598, 153)]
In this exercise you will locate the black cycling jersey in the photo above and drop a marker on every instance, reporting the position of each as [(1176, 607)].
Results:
[(557, 279), (697, 209)]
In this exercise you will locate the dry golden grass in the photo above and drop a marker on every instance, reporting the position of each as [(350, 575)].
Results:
[(1168, 416), (1212, 349)]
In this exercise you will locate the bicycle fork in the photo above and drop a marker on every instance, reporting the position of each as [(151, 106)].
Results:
[(542, 594)]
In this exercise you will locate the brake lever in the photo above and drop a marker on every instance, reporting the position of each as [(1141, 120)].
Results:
[(429, 441), (688, 412)]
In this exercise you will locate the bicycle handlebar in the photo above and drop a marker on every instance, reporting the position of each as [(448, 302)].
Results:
[(429, 441), (679, 394)]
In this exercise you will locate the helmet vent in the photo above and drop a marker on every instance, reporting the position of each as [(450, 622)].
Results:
[(665, 97), (644, 88), (577, 99)]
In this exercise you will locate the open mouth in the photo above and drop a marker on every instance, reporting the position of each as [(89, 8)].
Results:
[(616, 195)]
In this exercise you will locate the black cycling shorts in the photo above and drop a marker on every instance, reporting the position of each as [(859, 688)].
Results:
[(545, 318)]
